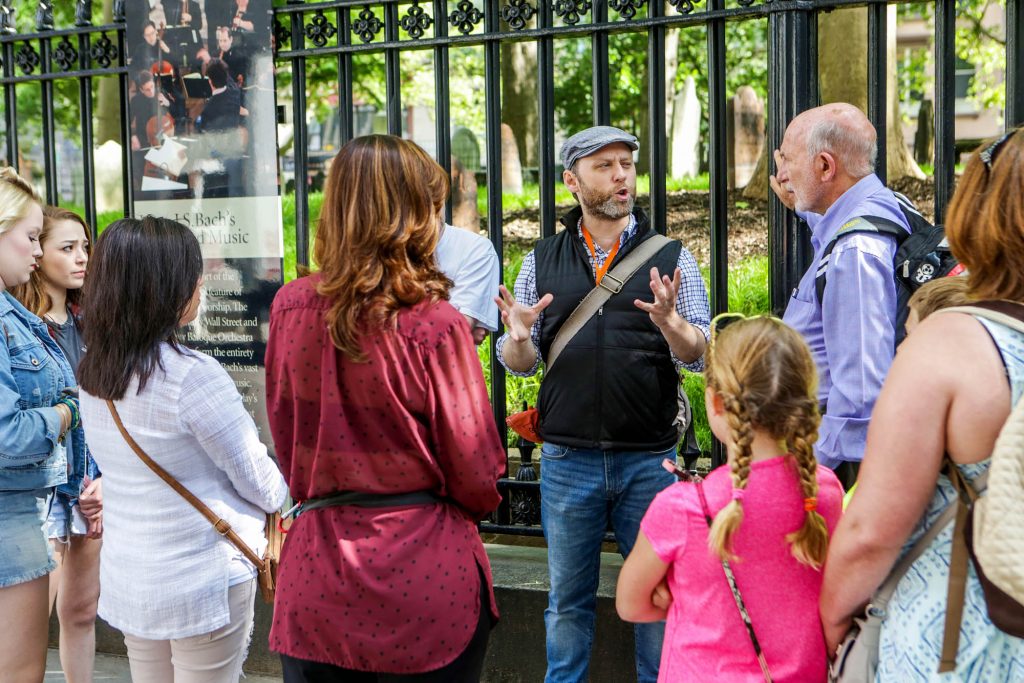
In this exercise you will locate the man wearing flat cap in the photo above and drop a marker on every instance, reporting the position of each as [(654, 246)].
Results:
[(607, 407)]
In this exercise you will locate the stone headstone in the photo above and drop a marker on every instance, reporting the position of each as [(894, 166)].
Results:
[(464, 209), (685, 156), (924, 137), (511, 168), (748, 135), (466, 149), (109, 177)]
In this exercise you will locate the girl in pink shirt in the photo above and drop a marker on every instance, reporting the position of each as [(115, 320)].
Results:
[(773, 512)]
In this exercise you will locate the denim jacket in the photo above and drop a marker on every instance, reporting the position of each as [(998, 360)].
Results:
[(33, 372)]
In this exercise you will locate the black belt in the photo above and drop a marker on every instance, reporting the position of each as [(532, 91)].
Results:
[(370, 500)]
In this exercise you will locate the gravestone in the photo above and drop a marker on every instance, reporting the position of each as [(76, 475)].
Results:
[(924, 137), (747, 119), (466, 149), (511, 168), (464, 210), (109, 172), (685, 157)]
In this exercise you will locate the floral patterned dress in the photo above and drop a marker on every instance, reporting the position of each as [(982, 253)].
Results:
[(911, 640)]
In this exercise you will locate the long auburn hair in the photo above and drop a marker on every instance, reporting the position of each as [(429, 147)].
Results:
[(141, 280), (765, 375), (379, 226), (985, 220), (33, 295)]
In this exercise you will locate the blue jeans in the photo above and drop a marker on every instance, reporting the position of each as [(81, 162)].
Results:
[(579, 490)]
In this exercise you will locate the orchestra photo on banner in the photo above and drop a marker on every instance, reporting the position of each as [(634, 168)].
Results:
[(202, 92)]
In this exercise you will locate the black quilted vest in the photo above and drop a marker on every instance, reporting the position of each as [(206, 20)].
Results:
[(614, 385)]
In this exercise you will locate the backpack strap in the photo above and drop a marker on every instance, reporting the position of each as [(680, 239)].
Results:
[(866, 224), (612, 283)]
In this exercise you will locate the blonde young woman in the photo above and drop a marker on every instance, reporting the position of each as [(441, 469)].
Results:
[(39, 432), (75, 522), (773, 510)]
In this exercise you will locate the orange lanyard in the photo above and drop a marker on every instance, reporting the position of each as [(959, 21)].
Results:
[(599, 271)]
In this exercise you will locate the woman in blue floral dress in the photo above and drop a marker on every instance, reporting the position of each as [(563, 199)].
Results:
[(949, 392)]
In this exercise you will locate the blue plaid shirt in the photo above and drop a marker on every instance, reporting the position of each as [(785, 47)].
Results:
[(691, 302)]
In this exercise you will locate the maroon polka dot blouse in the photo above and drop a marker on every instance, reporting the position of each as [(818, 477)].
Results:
[(393, 590)]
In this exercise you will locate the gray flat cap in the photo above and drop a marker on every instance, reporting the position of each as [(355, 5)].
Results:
[(589, 140)]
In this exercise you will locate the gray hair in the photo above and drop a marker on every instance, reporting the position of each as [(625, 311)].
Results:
[(856, 152)]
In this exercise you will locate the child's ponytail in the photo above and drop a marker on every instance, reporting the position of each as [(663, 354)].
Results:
[(809, 544), (729, 518)]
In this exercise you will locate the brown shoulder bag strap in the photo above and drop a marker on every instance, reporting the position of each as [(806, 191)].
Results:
[(221, 525)]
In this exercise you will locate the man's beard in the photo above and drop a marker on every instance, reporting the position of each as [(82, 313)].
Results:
[(605, 204)]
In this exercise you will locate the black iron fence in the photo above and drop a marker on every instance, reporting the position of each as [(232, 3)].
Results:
[(342, 30)]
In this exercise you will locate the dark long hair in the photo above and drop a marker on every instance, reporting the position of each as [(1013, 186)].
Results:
[(141, 279)]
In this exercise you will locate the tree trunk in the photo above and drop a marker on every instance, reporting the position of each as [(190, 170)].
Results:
[(107, 105), (843, 77), (671, 66), (519, 97)]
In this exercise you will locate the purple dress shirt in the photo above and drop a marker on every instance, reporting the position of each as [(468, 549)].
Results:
[(851, 331)]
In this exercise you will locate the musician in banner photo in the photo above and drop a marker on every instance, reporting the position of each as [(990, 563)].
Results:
[(183, 13), (246, 20), (223, 139), (235, 57), (152, 51)]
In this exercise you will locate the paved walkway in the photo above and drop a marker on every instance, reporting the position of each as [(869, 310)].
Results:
[(112, 668)]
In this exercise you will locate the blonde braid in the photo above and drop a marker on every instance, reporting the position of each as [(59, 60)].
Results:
[(729, 518), (809, 544)]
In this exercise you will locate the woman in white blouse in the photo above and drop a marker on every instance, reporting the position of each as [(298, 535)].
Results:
[(180, 592)]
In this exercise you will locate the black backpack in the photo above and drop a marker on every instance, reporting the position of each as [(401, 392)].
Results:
[(921, 255)]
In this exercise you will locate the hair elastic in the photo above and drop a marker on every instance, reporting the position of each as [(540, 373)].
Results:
[(737, 494), (810, 504)]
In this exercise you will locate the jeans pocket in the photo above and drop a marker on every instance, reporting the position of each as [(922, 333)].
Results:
[(553, 451)]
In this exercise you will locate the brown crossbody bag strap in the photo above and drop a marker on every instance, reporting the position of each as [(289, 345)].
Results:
[(221, 525)]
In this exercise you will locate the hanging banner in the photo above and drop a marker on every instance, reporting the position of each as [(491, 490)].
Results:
[(203, 144)]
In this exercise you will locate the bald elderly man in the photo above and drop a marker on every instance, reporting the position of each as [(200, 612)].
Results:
[(825, 172)]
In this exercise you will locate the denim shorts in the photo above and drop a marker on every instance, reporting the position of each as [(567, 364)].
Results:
[(65, 519), (26, 552)]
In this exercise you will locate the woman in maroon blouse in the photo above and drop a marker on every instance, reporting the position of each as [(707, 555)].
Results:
[(380, 417)]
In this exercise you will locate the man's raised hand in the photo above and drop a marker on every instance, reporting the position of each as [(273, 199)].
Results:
[(519, 319), (665, 292), (785, 195)]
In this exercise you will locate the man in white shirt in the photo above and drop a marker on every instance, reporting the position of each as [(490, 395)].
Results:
[(470, 261)]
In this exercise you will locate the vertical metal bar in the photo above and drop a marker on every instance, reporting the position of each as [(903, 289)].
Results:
[(601, 88), (300, 146), (718, 163), (11, 108), (49, 129), (393, 71), (945, 92), (346, 113), (789, 67), (878, 23), (88, 143), (719, 181), (492, 99), (1014, 63), (546, 116), (128, 181), (442, 99), (656, 117)]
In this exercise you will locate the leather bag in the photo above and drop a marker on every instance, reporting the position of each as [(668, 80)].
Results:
[(857, 657), (266, 566)]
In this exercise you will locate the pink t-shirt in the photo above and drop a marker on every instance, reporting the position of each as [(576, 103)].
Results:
[(705, 639)]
